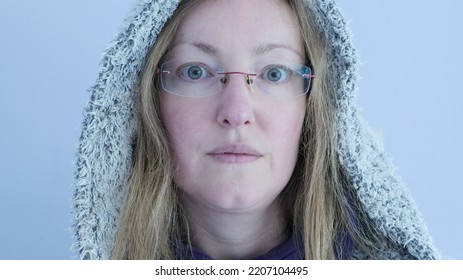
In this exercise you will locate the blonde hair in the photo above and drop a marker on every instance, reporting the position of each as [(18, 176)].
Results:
[(318, 198)]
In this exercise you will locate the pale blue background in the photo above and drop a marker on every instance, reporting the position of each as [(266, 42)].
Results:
[(411, 53)]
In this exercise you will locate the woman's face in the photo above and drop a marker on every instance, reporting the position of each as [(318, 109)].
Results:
[(235, 150)]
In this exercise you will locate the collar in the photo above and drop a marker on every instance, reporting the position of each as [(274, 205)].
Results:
[(290, 249)]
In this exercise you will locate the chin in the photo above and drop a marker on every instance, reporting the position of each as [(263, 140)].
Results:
[(239, 199)]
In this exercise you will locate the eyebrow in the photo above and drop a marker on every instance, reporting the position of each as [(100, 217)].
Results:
[(208, 49), (266, 48), (259, 50)]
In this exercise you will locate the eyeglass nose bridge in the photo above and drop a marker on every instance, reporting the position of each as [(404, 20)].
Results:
[(248, 77)]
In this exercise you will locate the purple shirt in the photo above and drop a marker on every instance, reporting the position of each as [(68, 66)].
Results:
[(290, 249)]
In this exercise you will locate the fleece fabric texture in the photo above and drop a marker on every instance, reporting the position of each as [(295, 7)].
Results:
[(105, 147)]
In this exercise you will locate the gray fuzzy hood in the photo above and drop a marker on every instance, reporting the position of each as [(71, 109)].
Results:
[(104, 156)]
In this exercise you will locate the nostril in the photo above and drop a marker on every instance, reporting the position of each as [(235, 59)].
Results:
[(233, 121)]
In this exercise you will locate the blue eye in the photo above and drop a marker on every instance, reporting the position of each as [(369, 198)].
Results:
[(194, 72), (275, 73)]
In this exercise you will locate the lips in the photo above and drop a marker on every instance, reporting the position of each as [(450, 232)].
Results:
[(235, 154)]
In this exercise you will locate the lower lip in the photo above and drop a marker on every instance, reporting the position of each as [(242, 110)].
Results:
[(234, 158)]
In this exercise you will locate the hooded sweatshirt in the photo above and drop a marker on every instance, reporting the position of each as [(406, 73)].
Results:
[(104, 156)]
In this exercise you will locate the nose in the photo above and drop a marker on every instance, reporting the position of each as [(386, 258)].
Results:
[(236, 106)]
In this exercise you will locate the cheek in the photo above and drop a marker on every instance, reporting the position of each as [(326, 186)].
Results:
[(180, 123), (184, 123), (286, 127)]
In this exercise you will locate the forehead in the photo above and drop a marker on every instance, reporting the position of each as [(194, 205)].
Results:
[(244, 28)]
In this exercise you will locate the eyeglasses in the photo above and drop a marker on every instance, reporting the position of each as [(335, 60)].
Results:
[(192, 78)]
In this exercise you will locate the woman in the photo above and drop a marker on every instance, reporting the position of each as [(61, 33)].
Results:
[(228, 130)]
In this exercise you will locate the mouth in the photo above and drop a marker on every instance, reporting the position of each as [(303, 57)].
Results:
[(235, 154)]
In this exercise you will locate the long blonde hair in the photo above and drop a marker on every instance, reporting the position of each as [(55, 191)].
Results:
[(318, 198)]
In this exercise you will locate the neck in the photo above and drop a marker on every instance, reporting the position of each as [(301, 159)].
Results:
[(236, 235)]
